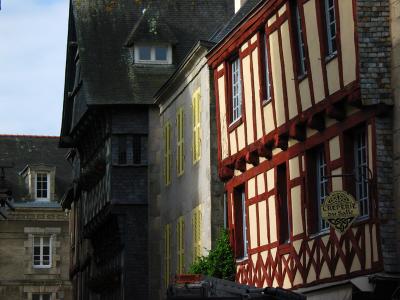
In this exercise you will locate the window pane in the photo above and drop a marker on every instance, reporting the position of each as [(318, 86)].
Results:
[(236, 91), (143, 150), (36, 297), (46, 297), (41, 185), (122, 150), (144, 53), (136, 148), (161, 53)]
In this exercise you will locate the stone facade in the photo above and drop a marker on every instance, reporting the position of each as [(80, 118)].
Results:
[(197, 188), (37, 216)]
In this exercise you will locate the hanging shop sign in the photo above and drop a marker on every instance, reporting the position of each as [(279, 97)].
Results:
[(339, 209)]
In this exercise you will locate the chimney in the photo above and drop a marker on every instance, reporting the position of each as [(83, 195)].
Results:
[(238, 4)]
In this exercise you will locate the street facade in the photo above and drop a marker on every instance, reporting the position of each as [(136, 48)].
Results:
[(198, 138)]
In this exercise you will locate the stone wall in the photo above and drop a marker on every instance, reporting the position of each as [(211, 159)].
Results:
[(374, 50)]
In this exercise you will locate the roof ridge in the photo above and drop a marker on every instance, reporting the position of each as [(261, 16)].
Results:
[(30, 136)]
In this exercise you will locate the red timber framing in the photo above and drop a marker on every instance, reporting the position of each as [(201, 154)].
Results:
[(271, 133)]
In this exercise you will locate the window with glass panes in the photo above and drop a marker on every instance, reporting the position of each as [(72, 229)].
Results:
[(301, 56), (236, 111), (41, 296), (322, 185), (266, 64), (42, 251), (361, 170), (330, 23), (153, 54), (42, 185)]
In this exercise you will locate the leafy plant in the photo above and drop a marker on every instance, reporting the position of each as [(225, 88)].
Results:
[(219, 263)]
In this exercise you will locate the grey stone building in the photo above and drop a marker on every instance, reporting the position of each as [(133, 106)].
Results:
[(119, 54), (191, 195), (34, 239)]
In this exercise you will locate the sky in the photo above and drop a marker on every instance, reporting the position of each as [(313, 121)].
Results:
[(33, 36)]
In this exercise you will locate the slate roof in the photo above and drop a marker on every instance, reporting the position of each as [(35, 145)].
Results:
[(237, 19), (23, 150), (105, 32)]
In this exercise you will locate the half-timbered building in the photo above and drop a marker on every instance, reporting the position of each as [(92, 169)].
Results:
[(302, 97), (119, 54)]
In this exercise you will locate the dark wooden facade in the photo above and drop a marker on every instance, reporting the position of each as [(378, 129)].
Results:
[(107, 123)]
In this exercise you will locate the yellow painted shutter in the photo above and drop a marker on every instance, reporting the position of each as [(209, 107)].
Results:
[(196, 223), (167, 254), (180, 245), (167, 153), (196, 113), (180, 142)]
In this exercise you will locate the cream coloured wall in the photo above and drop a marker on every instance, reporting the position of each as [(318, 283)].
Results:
[(289, 72), (277, 78), (347, 41), (248, 99), (332, 73), (310, 16)]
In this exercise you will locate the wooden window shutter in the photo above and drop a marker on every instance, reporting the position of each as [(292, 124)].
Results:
[(196, 232), (196, 112), (180, 142), (180, 245), (168, 154)]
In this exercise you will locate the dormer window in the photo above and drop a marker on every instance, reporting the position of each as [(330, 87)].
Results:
[(153, 54), (42, 186), (39, 182)]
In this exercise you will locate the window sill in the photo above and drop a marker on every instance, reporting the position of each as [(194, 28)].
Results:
[(301, 77), (266, 101), (241, 259), (319, 234), (330, 57), (130, 165), (41, 267), (235, 124)]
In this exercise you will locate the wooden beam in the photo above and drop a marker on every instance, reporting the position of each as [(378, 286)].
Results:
[(281, 141), (298, 131), (265, 151), (336, 111), (226, 173), (240, 164), (317, 122), (252, 158)]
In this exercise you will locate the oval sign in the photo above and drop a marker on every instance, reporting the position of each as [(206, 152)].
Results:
[(340, 209)]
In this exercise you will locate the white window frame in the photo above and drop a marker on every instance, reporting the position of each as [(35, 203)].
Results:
[(330, 36), (322, 187), (361, 169), (41, 245), (152, 59), (48, 186), (236, 87), (300, 43)]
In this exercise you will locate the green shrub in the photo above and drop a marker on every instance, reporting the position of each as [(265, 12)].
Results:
[(219, 263)]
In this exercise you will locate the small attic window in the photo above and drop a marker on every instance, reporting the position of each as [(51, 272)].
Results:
[(153, 54)]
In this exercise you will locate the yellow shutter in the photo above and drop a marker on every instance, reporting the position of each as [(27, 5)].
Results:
[(180, 142), (167, 254), (167, 153), (196, 117), (196, 223), (180, 231)]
